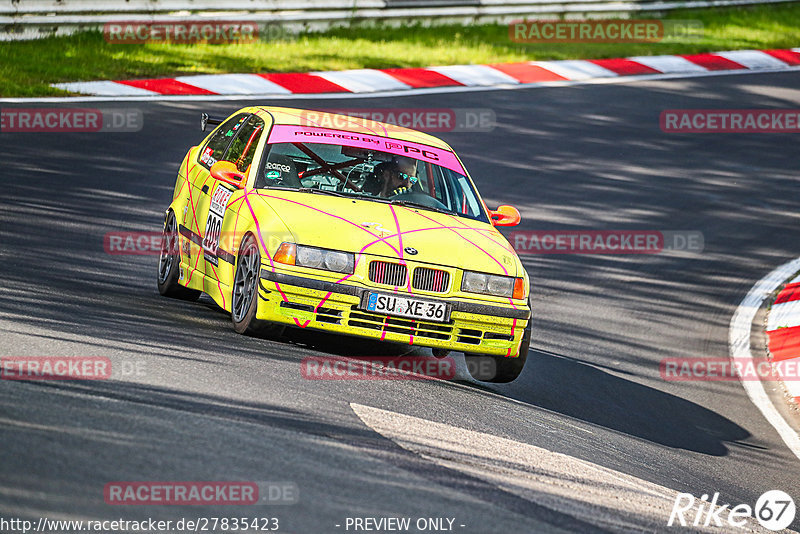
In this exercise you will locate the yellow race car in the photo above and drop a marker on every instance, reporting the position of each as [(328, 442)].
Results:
[(366, 229)]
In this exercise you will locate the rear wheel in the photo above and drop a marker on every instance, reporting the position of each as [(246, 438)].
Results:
[(169, 264), (499, 369), (244, 304)]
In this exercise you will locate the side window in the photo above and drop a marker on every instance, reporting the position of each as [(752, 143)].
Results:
[(243, 148), (218, 144)]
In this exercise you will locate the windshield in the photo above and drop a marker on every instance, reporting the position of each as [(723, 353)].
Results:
[(369, 174)]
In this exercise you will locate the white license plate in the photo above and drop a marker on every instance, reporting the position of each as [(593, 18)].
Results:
[(424, 310)]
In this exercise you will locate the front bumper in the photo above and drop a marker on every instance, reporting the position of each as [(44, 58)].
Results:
[(335, 307)]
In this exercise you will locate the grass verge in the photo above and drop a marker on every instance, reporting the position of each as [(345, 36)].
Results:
[(28, 67)]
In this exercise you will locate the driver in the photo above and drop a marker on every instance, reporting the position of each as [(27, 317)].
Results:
[(397, 176)]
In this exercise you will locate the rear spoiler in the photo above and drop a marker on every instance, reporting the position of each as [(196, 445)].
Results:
[(206, 120)]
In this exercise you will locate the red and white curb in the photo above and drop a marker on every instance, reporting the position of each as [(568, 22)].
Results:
[(783, 330), (739, 346), (391, 80)]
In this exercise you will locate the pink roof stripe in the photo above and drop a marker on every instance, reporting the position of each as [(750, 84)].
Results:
[(283, 133)]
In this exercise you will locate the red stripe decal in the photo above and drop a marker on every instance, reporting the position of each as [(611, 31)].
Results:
[(789, 293), (713, 62), (784, 343), (527, 73), (421, 77), (298, 82), (624, 67), (167, 86)]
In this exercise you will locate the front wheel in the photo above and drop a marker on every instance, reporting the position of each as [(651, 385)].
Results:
[(499, 369), (244, 305), (169, 264)]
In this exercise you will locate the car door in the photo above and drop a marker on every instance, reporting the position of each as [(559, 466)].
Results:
[(219, 244), (203, 186)]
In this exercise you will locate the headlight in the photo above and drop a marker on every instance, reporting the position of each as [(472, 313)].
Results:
[(339, 262), (474, 282), (317, 258), (310, 257), (489, 284)]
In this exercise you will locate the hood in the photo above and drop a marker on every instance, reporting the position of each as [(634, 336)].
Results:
[(352, 224)]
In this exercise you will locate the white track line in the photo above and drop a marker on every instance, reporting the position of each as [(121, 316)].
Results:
[(588, 492), (739, 342), (393, 93)]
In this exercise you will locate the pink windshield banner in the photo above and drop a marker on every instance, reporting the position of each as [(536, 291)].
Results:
[(282, 133)]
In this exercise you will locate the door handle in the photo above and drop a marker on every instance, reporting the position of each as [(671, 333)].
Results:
[(205, 189)]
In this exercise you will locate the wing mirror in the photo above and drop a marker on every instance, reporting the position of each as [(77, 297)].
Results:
[(505, 216), (205, 120), (225, 171)]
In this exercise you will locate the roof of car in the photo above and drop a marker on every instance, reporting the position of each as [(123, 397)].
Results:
[(347, 123)]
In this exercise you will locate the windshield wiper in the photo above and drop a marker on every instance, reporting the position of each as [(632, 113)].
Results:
[(409, 203), (321, 191), (306, 190), (278, 188)]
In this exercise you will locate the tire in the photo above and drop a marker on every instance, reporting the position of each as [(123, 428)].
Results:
[(499, 369), (169, 264), (440, 353), (244, 299)]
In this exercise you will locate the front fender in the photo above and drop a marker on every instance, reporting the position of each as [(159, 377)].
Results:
[(254, 216)]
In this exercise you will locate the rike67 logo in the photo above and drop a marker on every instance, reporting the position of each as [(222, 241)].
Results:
[(774, 510)]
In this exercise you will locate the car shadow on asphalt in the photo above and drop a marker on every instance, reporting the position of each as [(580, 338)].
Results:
[(589, 393), (147, 423)]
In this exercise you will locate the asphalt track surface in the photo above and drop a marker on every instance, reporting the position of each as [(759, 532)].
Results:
[(214, 405)]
